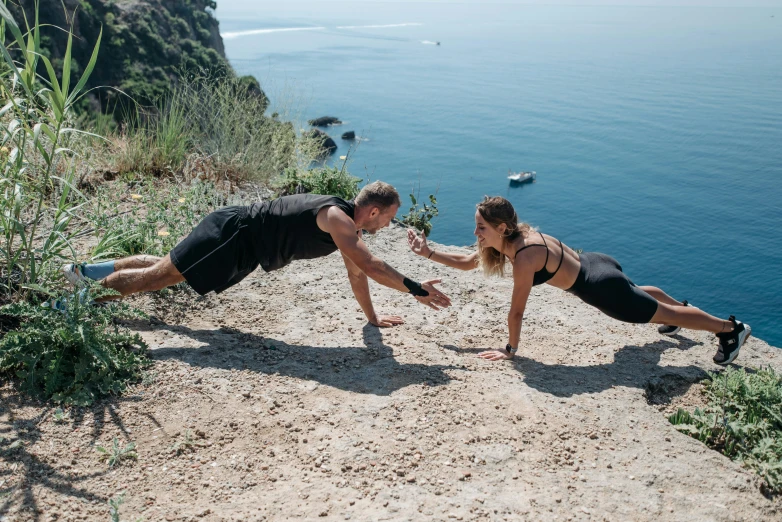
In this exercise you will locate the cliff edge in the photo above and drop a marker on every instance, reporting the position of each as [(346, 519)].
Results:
[(294, 407)]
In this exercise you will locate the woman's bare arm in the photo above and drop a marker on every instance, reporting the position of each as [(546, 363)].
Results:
[(419, 246), (523, 273)]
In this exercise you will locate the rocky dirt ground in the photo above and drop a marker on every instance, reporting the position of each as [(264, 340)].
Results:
[(276, 401)]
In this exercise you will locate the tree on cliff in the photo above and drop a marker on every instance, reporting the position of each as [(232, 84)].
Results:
[(146, 43)]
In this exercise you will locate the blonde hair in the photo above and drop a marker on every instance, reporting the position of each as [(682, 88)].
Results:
[(378, 194), (498, 211)]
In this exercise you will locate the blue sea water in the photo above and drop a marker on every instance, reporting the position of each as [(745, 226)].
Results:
[(656, 133)]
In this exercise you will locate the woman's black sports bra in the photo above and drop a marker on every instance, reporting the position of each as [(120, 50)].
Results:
[(543, 275)]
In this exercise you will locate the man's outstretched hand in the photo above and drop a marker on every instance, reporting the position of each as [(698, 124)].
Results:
[(436, 299), (384, 321)]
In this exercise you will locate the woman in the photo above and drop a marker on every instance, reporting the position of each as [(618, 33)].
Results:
[(595, 278)]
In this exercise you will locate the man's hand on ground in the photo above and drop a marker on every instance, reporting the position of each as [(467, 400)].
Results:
[(384, 321), (436, 299), (495, 355)]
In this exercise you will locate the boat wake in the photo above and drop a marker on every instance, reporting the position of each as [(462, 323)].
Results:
[(427, 42), (376, 26), (237, 34)]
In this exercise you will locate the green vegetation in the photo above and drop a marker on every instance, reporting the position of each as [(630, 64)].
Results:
[(117, 453), (39, 198), (205, 126), (60, 416), (324, 180), (742, 420), (420, 216), (74, 356), (185, 445), (157, 219), (145, 44)]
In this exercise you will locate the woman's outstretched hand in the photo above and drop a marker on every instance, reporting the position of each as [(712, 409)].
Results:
[(417, 243), (495, 355)]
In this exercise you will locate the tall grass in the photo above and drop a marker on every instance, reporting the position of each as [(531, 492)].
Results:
[(38, 198), (209, 116), (77, 354)]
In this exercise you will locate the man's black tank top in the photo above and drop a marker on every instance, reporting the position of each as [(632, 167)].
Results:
[(286, 228)]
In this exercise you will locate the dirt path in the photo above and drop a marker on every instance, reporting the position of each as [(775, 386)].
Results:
[(296, 409)]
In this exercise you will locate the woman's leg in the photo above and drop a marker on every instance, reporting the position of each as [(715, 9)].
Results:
[(661, 296), (690, 317)]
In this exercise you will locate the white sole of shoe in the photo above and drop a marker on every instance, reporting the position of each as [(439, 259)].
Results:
[(743, 336), (73, 277), (672, 332)]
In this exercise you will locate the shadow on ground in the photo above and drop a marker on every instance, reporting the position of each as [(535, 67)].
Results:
[(370, 369), (17, 435), (633, 366)]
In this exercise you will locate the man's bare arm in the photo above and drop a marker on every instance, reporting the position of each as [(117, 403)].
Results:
[(343, 232), (360, 286)]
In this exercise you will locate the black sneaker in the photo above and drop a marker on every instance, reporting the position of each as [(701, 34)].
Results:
[(730, 342), (669, 329)]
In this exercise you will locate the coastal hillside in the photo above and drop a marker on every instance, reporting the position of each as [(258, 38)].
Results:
[(145, 43), (277, 401)]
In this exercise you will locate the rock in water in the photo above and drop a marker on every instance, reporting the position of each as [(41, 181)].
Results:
[(328, 144), (325, 121), (349, 135)]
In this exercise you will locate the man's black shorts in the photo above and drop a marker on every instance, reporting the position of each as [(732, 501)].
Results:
[(217, 254)]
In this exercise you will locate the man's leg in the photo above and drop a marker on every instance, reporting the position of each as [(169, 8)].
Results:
[(78, 274), (149, 278), (140, 261)]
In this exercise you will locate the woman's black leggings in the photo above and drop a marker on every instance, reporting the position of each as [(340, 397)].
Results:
[(602, 284)]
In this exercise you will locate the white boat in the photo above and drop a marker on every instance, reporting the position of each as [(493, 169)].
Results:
[(522, 177)]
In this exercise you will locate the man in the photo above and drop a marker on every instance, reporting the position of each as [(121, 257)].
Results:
[(231, 242)]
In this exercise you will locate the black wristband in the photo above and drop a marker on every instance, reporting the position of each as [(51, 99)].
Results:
[(415, 288), (510, 349)]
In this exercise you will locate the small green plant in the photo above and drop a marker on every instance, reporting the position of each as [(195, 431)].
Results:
[(420, 216), (116, 453), (184, 445), (148, 378), (114, 505), (742, 420), (60, 416), (76, 355)]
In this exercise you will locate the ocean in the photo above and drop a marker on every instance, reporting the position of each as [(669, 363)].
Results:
[(655, 132)]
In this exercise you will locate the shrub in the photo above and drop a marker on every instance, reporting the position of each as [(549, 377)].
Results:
[(742, 420), (326, 180), (420, 216), (75, 356), (214, 116)]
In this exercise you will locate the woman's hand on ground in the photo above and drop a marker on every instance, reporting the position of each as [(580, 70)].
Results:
[(384, 321), (417, 243), (495, 355), (436, 299)]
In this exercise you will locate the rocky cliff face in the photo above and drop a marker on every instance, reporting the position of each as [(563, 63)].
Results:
[(145, 42)]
